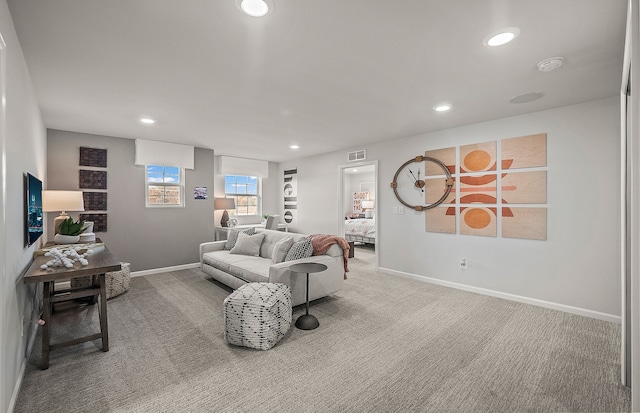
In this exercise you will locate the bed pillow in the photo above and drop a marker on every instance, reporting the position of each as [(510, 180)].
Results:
[(300, 249), (248, 244), (232, 236), (280, 249)]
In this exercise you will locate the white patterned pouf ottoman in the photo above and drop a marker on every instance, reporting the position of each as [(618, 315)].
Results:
[(257, 315)]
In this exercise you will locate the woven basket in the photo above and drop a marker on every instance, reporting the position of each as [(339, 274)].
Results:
[(116, 282)]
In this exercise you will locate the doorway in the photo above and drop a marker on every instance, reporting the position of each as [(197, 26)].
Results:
[(358, 207)]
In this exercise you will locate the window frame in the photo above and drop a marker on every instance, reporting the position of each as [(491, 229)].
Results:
[(180, 185), (235, 195)]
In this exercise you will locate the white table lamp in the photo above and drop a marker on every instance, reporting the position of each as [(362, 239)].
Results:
[(63, 201), (368, 205)]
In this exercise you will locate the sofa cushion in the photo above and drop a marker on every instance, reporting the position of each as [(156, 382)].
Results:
[(280, 249), (300, 249), (248, 244), (232, 236), (271, 237), (245, 267)]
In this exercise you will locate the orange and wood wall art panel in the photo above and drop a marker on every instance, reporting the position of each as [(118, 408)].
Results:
[(500, 188)]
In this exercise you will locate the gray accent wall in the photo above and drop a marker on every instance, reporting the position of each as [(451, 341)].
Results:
[(148, 238), (577, 267), (23, 149)]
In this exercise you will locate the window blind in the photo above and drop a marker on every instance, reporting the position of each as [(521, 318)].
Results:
[(164, 154), (241, 166)]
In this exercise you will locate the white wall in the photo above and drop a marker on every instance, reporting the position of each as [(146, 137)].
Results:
[(578, 266), (25, 151)]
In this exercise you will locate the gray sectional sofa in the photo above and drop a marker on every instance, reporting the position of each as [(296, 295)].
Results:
[(237, 267)]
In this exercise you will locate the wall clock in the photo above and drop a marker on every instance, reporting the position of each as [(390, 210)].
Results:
[(409, 183)]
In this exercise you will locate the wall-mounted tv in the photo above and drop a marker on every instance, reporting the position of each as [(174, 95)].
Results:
[(33, 223)]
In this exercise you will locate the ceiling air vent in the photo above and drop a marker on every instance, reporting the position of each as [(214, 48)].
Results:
[(357, 155)]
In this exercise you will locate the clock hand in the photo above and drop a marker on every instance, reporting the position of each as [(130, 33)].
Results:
[(413, 177), (416, 179), (422, 187), (410, 176)]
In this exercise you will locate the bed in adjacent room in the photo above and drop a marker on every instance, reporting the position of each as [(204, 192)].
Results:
[(360, 230)]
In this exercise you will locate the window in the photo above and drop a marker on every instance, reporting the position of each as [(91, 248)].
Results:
[(244, 190), (165, 186)]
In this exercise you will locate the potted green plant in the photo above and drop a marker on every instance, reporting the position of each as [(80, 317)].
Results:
[(69, 232)]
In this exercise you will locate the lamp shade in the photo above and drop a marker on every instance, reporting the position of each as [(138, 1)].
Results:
[(62, 201), (368, 204), (224, 203)]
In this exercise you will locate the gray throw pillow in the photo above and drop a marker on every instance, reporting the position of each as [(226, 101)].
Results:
[(232, 236), (248, 244), (300, 249), (280, 249)]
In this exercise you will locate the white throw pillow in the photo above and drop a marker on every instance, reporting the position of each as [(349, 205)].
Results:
[(280, 249), (232, 236), (248, 244)]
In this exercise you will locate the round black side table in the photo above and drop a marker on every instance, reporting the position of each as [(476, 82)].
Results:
[(307, 321)]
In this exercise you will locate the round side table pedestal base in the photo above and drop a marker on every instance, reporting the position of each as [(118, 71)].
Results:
[(307, 322)]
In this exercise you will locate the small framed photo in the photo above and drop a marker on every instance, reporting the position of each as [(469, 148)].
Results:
[(200, 192)]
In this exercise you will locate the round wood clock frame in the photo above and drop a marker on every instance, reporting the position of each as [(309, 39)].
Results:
[(409, 179)]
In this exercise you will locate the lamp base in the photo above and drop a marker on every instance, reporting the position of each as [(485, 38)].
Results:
[(224, 222), (57, 221)]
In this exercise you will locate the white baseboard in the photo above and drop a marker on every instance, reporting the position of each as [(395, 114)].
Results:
[(526, 300), (165, 269), (16, 389)]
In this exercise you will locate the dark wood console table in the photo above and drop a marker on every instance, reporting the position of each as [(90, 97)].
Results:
[(100, 261)]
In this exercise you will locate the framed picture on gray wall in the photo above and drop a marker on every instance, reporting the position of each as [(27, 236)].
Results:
[(93, 179), (93, 157)]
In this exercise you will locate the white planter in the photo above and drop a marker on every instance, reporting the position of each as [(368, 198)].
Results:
[(66, 239), (88, 227)]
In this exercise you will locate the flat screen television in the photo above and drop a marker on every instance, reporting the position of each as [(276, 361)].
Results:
[(33, 223)]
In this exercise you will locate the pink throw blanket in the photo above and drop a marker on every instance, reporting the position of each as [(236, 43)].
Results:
[(321, 244)]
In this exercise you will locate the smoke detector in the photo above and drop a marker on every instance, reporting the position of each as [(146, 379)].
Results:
[(526, 98), (550, 64)]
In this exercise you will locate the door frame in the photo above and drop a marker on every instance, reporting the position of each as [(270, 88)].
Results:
[(341, 201)]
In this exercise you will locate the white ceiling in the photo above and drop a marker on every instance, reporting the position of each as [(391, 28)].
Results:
[(326, 74)]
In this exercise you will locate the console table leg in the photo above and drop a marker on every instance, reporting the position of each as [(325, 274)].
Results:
[(46, 317), (104, 329)]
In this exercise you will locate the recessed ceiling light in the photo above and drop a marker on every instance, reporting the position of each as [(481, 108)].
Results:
[(294, 146), (148, 121), (527, 97), (255, 8), (443, 107), (355, 170), (501, 37)]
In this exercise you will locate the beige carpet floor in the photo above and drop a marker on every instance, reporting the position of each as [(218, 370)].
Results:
[(385, 344)]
